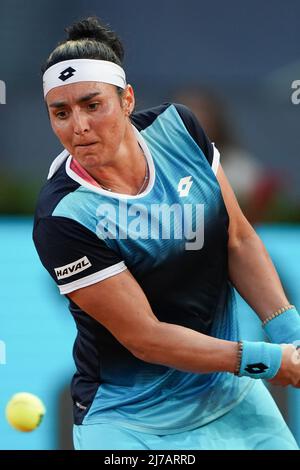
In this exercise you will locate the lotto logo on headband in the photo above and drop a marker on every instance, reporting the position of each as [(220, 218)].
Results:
[(67, 73), (83, 70)]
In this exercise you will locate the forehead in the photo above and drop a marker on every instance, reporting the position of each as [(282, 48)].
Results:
[(74, 91)]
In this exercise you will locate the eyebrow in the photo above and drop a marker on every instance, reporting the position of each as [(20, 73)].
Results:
[(82, 99)]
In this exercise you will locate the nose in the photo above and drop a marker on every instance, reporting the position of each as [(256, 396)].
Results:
[(80, 123)]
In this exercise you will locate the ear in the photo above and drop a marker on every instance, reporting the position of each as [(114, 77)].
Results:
[(128, 100)]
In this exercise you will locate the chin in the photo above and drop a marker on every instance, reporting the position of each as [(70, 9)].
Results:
[(89, 160)]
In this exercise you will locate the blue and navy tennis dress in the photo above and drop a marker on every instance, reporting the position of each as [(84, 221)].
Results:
[(173, 239)]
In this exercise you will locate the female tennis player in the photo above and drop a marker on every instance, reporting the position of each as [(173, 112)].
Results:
[(139, 228)]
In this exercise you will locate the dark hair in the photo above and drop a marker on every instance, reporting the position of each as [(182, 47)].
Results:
[(88, 39)]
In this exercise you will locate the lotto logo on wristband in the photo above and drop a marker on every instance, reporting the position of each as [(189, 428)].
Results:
[(257, 368), (260, 360)]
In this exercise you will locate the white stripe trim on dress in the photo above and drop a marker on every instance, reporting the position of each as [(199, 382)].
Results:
[(216, 159), (93, 278)]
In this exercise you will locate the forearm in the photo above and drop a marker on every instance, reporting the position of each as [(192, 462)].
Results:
[(185, 349), (253, 275)]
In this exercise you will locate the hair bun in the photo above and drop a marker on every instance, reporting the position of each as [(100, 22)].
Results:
[(92, 28)]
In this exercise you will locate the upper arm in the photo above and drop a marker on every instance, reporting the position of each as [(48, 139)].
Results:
[(239, 227), (95, 278), (121, 306)]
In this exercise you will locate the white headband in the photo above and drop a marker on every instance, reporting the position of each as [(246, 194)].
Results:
[(83, 70)]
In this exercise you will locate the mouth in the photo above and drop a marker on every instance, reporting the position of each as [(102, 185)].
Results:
[(85, 145)]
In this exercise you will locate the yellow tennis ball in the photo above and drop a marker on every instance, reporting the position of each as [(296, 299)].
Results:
[(25, 411)]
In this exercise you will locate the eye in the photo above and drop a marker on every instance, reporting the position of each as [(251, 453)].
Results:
[(61, 114), (93, 106)]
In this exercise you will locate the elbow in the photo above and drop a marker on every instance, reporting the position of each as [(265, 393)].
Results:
[(144, 345), (143, 352), (239, 236)]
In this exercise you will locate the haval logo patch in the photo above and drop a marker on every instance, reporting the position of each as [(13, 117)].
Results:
[(73, 268)]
